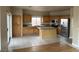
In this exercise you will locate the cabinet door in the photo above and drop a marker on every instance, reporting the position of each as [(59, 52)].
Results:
[(16, 25), (30, 31), (27, 31), (46, 19), (35, 31), (26, 18)]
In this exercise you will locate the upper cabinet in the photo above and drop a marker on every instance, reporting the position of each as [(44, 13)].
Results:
[(46, 19), (26, 18)]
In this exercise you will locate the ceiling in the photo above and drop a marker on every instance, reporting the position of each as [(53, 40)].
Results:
[(44, 8)]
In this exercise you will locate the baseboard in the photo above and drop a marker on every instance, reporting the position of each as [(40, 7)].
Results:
[(75, 46), (72, 45)]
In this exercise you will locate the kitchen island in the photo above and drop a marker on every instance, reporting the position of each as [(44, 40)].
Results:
[(48, 34)]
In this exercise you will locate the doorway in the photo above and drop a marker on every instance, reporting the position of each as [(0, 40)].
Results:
[(9, 27), (65, 29)]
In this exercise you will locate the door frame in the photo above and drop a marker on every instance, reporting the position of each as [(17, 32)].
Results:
[(9, 27)]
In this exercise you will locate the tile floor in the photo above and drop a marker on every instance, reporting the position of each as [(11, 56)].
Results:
[(28, 41)]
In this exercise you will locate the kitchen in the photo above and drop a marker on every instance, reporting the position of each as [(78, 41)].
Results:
[(36, 27)]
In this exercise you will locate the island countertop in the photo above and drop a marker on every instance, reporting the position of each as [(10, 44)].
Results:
[(46, 28)]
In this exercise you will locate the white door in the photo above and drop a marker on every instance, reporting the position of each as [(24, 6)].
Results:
[(9, 27)]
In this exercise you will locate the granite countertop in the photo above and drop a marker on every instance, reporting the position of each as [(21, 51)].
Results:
[(30, 25), (46, 28), (43, 26)]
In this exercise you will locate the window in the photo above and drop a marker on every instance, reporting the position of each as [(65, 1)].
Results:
[(36, 20)]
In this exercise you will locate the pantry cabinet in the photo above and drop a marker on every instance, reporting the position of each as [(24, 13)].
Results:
[(16, 25)]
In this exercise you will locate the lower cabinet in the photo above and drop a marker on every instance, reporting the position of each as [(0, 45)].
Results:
[(35, 31), (30, 31), (27, 31)]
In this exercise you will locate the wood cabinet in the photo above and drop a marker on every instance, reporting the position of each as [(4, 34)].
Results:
[(26, 18), (16, 25), (30, 31), (46, 19), (36, 31), (27, 31)]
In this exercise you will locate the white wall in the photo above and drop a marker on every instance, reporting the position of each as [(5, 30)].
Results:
[(3, 18), (35, 13), (74, 33), (71, 22), (4, 44), (16, 11), (62, 12), (0, 29)]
